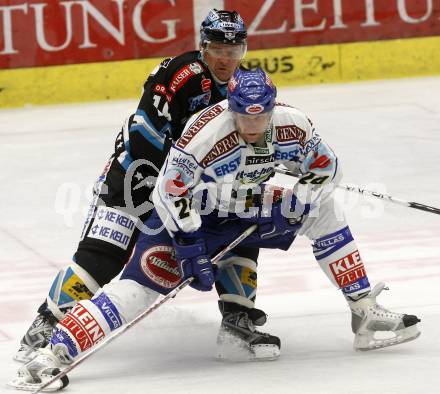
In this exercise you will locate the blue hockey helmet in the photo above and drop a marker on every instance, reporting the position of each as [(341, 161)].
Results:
[(251, 92), (223, 26)]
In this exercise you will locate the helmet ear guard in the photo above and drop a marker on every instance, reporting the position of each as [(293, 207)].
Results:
[(251, 92)]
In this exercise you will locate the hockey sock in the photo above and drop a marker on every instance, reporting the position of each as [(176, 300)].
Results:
[(84, 326)]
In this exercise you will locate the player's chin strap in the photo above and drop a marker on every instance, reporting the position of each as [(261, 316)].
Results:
[(357, 189), (137, 319)]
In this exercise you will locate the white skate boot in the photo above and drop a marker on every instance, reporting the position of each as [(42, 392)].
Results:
[(41, 369), (370, 318)]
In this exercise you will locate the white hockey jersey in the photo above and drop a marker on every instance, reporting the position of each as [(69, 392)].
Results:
[(210, 155)]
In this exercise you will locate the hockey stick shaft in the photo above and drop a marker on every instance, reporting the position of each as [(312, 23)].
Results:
[(137, 319), (394, 200)]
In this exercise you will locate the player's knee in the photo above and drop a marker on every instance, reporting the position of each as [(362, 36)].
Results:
[(71, 285), (102, 264), (103, 261), (237, 280), (129, 297), (154, 264), (328, 218)]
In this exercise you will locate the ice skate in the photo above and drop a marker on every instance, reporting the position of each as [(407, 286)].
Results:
[(238, 340), (37, 336), (376, 327), (41, 369)]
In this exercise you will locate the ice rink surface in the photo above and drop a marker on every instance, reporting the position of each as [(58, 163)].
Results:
[(387, 136)]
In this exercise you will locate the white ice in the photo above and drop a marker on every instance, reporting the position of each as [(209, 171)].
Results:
[(387, 135)]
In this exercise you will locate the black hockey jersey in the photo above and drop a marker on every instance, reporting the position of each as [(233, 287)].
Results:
[(176, 89)]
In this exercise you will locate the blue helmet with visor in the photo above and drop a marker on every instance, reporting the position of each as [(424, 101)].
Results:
[(251, 92)]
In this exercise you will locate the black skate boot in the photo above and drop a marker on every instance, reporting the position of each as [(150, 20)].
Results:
[(37, 336), (238, 340)]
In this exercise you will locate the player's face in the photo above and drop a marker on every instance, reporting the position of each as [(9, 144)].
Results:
[(252, 127), (223, 59)]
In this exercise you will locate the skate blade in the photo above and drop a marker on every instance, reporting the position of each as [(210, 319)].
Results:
[(266, 352), (242, 353), (18, 384), (367, 342)]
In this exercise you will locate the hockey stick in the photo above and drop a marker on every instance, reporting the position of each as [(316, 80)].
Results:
[(409, 204), (137, 319)]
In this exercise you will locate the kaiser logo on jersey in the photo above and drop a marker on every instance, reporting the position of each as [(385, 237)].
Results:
[(254, 109), (348, 270), (180, 78), (159, 265)]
